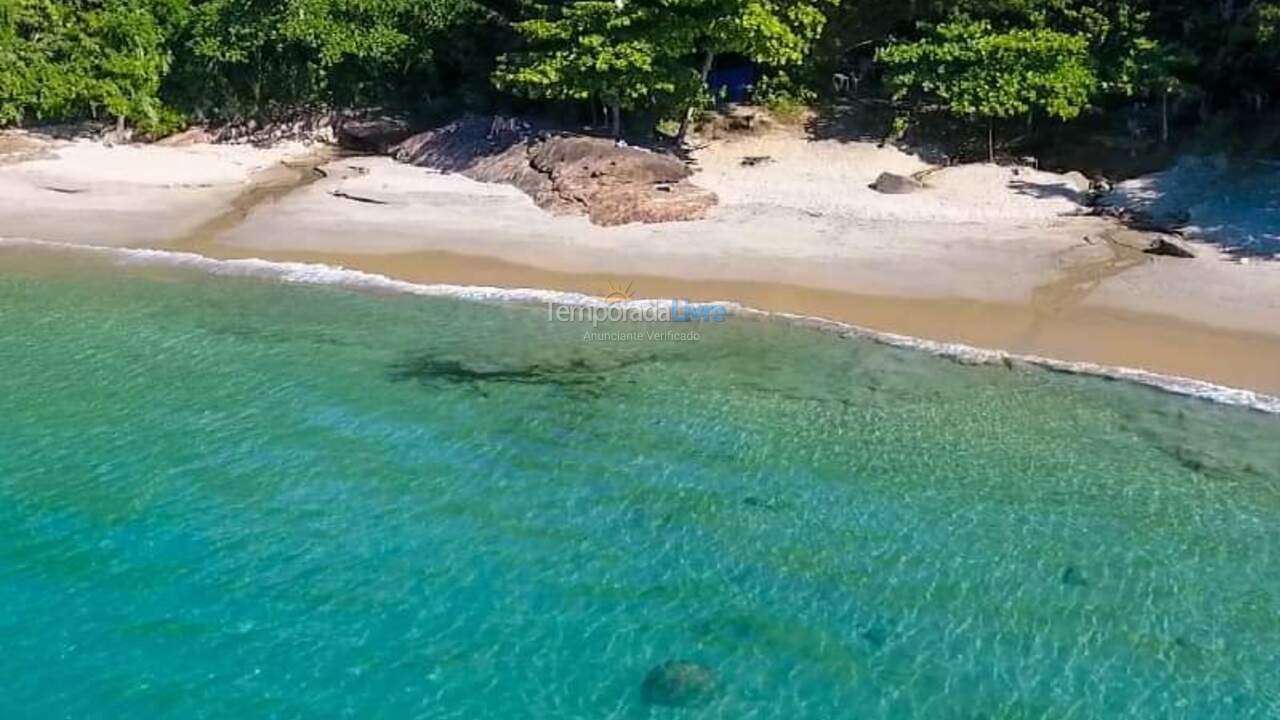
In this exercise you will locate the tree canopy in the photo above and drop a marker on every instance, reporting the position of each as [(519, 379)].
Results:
[(156, 64), (981, 73), (650, 52)]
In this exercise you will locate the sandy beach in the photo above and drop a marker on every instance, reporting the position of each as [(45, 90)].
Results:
[(989, 256)]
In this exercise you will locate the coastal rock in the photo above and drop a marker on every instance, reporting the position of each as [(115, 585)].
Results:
[(894, 184), (1077, 181), (302, 123), (375, 134), (616, 184), (611, 184), (679, 683), (194, 135), (1168, 248)]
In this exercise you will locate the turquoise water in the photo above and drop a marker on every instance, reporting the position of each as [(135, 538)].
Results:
[(230, 498)]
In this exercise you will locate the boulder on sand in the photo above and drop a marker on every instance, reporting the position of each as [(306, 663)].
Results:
[(375, 134), (679, 683), (612, 184), (894, 184), (1168, 248), (617, 184), (1077, 181)]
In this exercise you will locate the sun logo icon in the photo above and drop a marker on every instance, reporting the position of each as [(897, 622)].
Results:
[(618, 293)]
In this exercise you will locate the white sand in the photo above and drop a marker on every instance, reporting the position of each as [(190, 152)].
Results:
[(808, 219), (125, 195), (833, 178)]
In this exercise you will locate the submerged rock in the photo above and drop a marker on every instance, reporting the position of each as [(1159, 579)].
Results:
[(1073, 577), (680, 683)]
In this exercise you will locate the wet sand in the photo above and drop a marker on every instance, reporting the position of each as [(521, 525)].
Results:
[(1047, 326), (1018, 276)]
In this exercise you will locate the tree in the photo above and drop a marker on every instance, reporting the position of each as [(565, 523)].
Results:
[(777, 33), (242, 55), (632, 52), (69, 59), (625, 54), (979, 73)]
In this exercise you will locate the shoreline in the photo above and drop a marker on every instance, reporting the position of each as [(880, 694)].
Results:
[(1019, 277), (313, 273), (1101, 335)]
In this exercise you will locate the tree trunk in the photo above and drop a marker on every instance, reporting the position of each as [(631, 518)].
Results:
[(595, 112), (991, 140), (615, 110), (1164, 117), (707, 61)]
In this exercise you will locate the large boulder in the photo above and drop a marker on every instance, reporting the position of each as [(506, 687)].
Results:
[(616, 184), (679, 683), (894, 184), (1077, 181), (611, 183), (1168, 248), (372, 134)]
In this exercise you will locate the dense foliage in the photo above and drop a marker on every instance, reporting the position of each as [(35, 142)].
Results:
[(983, 73), (654, 53), (155, 64)]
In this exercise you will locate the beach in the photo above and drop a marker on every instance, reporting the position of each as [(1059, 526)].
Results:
[(338, 436), (993, 257)]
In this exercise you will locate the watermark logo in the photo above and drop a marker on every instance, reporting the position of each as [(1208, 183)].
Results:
[(619, 305), (619, 293)]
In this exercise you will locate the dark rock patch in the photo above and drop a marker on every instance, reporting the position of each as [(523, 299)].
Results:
[(680, 683), (1168, 248), (358, 198), (372, 134), (1072, 576)]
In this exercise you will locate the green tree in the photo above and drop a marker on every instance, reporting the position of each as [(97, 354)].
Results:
[(241, 56), (71, 59), (624, 54), (976, 72), (777, 33), (634, 52)]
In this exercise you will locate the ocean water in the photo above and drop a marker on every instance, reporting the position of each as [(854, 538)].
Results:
[(230, 497)]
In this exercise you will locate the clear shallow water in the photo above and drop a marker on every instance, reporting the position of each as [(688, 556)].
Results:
[(230, 498)]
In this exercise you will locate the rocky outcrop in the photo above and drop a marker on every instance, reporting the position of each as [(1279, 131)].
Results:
[(371, 134), (612, 184), (1077, 181), (893, 184), (678, 683), (1168, 248)]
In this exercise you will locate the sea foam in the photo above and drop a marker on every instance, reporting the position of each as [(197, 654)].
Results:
[(321, 274)]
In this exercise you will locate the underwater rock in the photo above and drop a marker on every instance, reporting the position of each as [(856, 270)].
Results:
[(679, 683), (760, 503), (1073, 577), (876, 634)]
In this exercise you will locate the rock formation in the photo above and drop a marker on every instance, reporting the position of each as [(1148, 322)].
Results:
[(611, 183), (892, 184)]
